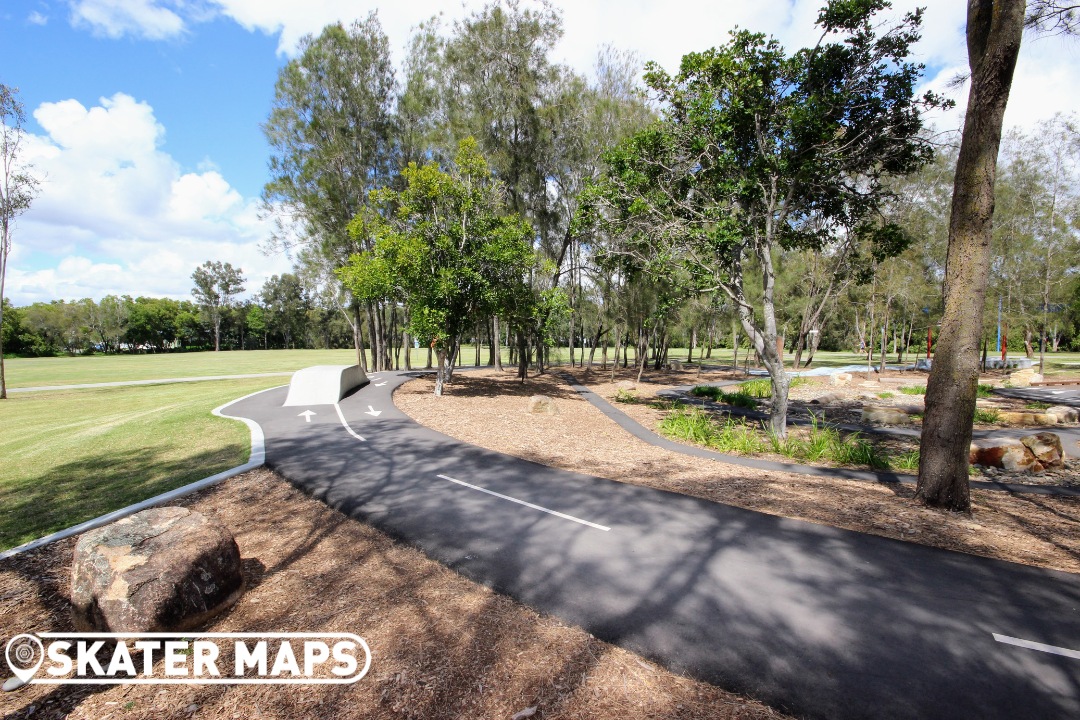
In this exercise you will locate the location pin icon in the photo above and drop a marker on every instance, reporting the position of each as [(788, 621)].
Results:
[(24, 653)]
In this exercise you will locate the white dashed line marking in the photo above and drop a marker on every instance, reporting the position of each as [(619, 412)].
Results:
[(1031, 645), (528, 504)]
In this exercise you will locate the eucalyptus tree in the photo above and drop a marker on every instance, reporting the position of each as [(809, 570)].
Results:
[(216, 284), (333, 135), (759, 151), (994, 32), (17, 190), (285, 304)]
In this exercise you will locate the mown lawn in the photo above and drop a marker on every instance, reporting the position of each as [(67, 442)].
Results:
[(69, 456)]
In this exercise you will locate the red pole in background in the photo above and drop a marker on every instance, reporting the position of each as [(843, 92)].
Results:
[(929, 340), (1004, 343)]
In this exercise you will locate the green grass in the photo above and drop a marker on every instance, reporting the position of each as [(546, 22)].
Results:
[(823, 443), (740, 398), (987, 417), (1036, 405), (913, 390), (984, 391), (887, 395), (69, 456), (625, 396)]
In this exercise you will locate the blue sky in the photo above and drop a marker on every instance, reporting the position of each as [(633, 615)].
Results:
[(145, 114)]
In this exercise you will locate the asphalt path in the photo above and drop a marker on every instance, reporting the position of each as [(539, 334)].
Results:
[(814, 620)]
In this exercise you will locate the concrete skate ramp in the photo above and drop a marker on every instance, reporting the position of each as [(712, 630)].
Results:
[(323, 384)]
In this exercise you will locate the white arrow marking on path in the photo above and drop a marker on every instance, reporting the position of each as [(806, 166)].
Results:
[(373, 412), (306, 415), (379, 384), (1030, 645)]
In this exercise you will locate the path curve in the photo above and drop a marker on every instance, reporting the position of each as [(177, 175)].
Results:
[(817, 621)]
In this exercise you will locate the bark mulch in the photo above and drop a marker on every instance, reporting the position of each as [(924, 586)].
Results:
[(442, 646), (489, 409)]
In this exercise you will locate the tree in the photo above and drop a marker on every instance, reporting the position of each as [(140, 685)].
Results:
[(286, 306), (994, 32), (759, 151), (332, 132), (216, 284), (444, 245), (17, 190)]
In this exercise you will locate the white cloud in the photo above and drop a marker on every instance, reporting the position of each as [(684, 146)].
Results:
[(117, 215), (36, 18), (147, 19)]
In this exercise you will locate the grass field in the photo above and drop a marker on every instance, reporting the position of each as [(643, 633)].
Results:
[(69, 456), (35, 372)]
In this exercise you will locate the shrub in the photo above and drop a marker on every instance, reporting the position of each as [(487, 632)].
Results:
[(625, 396), (738, 399)]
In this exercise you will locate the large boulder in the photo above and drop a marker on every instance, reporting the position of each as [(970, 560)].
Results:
[(1005, 453), (542, 405), (885, 416), (1064, 414), (840, 378), (160, 570), (1015, 417), (626, 385), (1046, 447), (675, 365), (1024, 377)]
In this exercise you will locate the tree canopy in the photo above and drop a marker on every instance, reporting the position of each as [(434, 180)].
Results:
[(760, 151)]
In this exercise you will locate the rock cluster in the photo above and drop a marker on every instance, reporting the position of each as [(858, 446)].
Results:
[(1031, 453)]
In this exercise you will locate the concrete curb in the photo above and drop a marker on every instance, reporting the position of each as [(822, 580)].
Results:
[(257, 458), (882, 477)]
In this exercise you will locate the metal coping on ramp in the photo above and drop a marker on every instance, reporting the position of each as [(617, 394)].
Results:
[(323, 384)]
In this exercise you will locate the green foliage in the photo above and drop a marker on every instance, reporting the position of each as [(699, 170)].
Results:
[(984, 391), (906, 461), (987, 417), (445, 246), (1035, 405), (741, 398), (822, 443), (913, 390), (887, 395), (627, 397)]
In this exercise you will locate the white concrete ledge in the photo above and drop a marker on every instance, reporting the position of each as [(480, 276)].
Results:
[(323, 384)]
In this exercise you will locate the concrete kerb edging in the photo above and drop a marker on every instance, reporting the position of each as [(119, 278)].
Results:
[(642, 433), (257, 458)]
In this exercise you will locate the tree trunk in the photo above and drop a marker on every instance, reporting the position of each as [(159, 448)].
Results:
[(496, 340), (440, 372), (523, 357), (994, 31)]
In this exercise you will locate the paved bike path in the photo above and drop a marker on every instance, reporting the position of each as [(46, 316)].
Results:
[(814, 620)]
